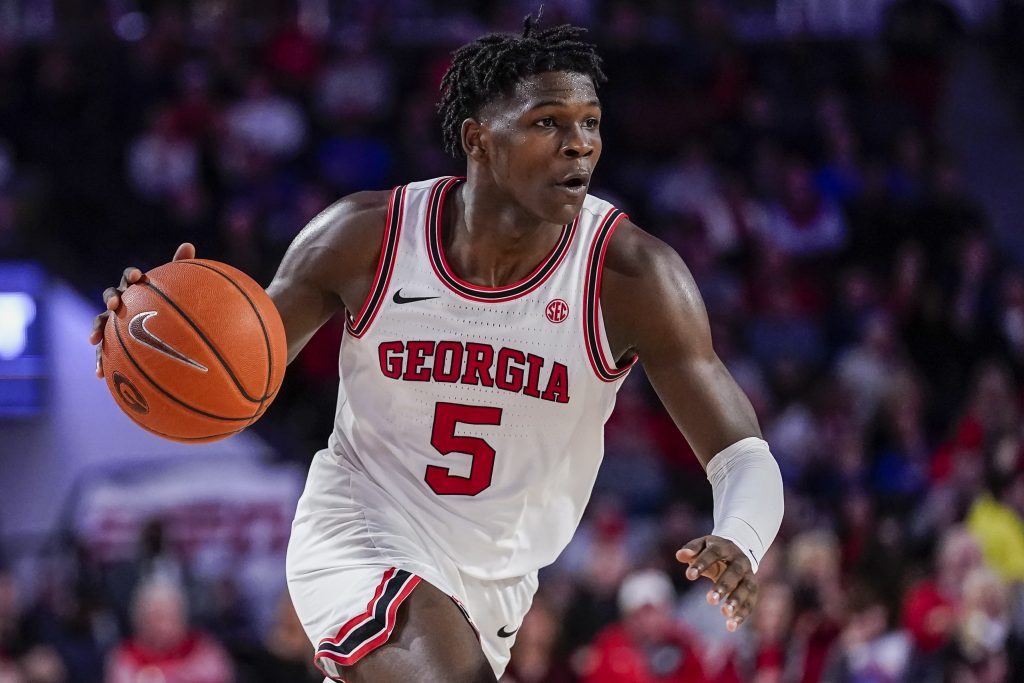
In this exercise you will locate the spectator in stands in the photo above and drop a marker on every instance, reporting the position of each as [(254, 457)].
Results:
[(691, 187), (1011, 315), (866, 370), (284, 654), (163, 163), (156, 560), (266, 123), (646, 645), (869, 649), (24, 658), (815, 572), (983, 631), (802, 223), (766, 656), (355, 86), (900, 472), (164, 646), (598, 559), (932, 607), (997, 517)]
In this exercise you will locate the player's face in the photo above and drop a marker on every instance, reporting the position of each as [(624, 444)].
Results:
[(543, 142)]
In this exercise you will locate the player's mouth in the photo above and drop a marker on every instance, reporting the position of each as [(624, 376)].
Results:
[(574, 184)]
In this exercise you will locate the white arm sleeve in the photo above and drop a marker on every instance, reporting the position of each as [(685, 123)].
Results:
[(747, 488)]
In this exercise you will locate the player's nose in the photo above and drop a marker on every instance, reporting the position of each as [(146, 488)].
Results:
[(577, 144)]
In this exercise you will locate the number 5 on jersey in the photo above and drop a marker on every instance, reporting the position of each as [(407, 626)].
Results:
[(447, 416)]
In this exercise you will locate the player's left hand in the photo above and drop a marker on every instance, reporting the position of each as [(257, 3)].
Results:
[(724, 563)]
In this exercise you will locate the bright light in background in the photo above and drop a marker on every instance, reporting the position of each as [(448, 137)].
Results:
[(17, 312)]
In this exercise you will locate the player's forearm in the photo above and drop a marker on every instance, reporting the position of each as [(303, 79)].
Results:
[(747, 487)]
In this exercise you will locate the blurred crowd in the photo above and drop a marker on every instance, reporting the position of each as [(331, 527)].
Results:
[(853, 285)]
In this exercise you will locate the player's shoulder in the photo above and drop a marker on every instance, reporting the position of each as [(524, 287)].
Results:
[(352, 220), (358, 219), (646, 288), (636, 254), (342, 241)]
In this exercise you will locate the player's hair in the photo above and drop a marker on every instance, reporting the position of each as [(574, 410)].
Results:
[(490, 66)]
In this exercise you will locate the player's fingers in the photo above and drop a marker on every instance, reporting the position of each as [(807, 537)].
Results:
[(742, 610), (130, 276), (111, 298), (700, 565), (184, 250), (691, 549), (745, 592), (734, 623), (99, 362), (726, 583), (689, 552), (97, 327)]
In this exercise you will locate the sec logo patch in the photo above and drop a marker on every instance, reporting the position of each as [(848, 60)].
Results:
[(557, 311)]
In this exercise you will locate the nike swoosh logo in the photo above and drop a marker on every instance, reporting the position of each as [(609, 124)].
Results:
[(502, 633), (137, 329), (399, 299)]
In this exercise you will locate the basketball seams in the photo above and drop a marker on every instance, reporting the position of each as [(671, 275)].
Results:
[(266, 340), (191, 439), (185, 317), (135, 363)]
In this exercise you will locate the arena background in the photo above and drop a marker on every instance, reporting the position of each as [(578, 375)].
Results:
[(843, 177)]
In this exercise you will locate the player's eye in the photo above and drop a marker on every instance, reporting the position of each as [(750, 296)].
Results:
[(592, 123), (546, 122)]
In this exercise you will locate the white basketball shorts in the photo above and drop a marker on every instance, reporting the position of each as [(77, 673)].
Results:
[(354, 557)]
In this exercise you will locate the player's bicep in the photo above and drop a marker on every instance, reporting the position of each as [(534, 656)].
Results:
[(330, 260), (304, 307), (672, 337)]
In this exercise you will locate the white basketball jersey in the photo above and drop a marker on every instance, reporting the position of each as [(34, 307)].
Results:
[(479, 412)]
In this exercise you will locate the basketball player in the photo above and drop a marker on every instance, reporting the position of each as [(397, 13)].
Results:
[(490, 321)]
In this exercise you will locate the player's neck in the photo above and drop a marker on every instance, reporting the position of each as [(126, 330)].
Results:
[(490, 242)]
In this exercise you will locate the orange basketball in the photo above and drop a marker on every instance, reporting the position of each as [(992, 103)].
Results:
[(196, 351)]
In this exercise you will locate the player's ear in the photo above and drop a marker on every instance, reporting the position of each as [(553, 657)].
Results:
[(473, 139)]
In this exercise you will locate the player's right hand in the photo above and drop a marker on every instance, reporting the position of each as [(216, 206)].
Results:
[(112, 299)]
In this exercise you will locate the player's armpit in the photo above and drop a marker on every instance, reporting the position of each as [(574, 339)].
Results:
[(329, 266)]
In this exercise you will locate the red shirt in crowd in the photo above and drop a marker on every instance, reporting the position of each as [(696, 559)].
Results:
[(928, 616), (616, 659), (198, 659)]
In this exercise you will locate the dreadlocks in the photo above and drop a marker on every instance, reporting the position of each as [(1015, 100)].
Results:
[(489, 67)]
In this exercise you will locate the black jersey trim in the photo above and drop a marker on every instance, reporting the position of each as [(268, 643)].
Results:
[(475, 292), (606, 370), (358, 325)]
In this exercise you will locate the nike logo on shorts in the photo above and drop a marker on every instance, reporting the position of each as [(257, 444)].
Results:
[(137, 329), (502, 633)]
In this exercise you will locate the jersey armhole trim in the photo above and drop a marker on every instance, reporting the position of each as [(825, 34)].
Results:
[(364, 633), (592, 321), (358, 325)]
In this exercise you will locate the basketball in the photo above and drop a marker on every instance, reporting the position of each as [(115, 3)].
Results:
[(196, 352)]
